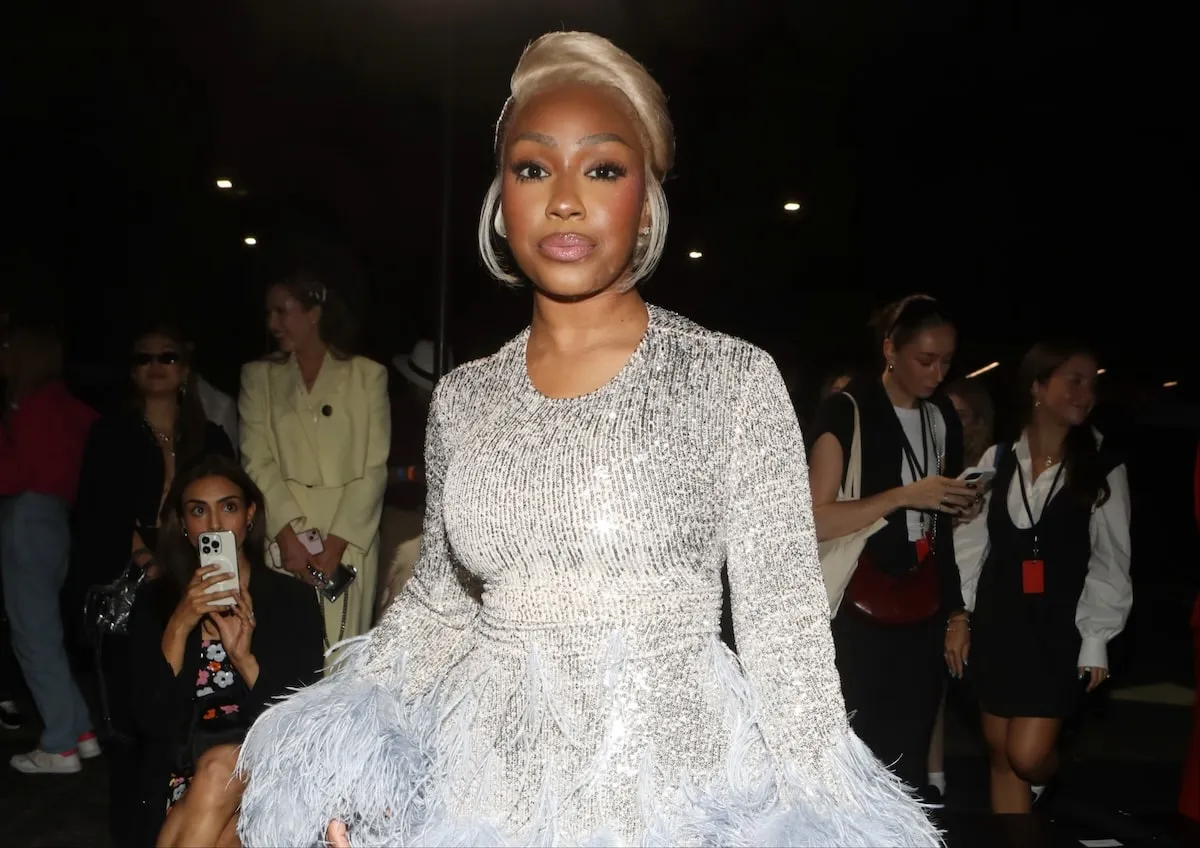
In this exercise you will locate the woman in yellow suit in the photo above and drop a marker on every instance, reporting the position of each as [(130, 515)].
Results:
[(315, 436)]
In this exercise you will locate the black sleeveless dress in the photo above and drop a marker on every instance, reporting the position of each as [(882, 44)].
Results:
[(1025, 645)]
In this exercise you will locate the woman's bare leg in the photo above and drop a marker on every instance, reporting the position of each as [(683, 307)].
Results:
[(937, 747), (200, 817), (229, 837)]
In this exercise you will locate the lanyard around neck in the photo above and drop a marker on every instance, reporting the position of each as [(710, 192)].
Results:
[(1033, 524), (919, 471)]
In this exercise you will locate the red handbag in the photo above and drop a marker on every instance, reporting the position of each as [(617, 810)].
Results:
[(908, 599)]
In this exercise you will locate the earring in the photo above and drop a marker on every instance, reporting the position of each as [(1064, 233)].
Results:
[(183, 530), (645, 232), (250, 525), (1036, 404), (891, 366)]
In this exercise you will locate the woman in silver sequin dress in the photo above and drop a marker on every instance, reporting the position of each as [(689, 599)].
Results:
[(592, 475)]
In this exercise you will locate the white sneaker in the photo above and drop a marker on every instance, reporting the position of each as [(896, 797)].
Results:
[(88, 746), (38, 761)]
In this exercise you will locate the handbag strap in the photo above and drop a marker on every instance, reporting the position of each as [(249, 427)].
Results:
[(852, 483)]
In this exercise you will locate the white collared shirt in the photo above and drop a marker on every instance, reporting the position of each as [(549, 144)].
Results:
[(1107, 595)]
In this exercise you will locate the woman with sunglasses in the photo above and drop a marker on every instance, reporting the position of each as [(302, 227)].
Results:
[(131, 459)]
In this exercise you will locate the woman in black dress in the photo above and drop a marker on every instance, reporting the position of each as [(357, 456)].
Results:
[(1054, 586), (132, 455), (203, 673)]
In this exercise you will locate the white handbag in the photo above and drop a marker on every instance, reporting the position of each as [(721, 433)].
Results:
[(839, 557)]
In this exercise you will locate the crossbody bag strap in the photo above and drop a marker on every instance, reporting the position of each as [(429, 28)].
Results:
[(852, 484)]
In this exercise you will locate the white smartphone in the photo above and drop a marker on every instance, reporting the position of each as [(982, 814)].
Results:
[(979, 477), (220, 548), (311, 539)]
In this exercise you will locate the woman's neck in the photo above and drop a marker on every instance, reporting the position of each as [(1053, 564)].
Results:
[(310, 360), (898, 395), (573, 327), (1045, 439), (161, 412)]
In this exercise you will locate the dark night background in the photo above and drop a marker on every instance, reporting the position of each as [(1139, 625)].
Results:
[(1023, 160)]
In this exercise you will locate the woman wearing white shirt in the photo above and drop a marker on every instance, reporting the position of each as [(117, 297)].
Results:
[(1050, 558)]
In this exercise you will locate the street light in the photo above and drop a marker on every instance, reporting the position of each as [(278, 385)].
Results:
[(1170, 384), (250, 240), (695, 254), (791, 206), (224, 185)]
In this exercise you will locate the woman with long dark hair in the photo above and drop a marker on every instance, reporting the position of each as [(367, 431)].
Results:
[(316, 433), (202, 673), (904, 593), (1054, 586), (132, 457)]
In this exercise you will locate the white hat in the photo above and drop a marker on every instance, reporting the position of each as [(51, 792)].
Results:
[(418, 366)]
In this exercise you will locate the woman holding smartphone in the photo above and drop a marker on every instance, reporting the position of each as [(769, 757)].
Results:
[(904, 595), (207, 659), (316, 432)]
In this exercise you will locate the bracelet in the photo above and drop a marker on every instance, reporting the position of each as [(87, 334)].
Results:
[(964, 619)]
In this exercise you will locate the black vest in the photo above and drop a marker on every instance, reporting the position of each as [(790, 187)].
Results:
[(1064, 545)]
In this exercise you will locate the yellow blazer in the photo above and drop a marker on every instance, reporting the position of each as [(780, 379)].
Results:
[(320, 457)]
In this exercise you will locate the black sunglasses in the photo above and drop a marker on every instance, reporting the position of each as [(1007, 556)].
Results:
[(168, 357)]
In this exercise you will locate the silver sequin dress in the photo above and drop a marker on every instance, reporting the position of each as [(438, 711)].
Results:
[(588, 699)]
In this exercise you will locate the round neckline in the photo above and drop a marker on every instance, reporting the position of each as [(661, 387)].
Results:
[(604, 388)]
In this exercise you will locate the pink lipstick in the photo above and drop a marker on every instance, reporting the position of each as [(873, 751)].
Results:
[(566, 247)]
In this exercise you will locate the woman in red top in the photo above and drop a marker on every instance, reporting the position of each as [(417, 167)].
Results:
[(41, 446)]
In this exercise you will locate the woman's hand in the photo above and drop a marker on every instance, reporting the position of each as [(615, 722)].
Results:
[(972, 512), (336, 836), (958, 643), (197, 601), (292, 554), (1095, 676), (330, 558), (939, 494), (236, 626)]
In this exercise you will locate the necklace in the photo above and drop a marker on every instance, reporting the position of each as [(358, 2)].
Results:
[(165, 439)]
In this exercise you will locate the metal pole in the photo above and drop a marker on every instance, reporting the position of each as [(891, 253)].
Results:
[(440, 347)]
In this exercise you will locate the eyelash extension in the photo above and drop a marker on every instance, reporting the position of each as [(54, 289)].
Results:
[(617, 169), (518, 167)]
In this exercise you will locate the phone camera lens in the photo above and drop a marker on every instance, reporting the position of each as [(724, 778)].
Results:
[(205, 549)]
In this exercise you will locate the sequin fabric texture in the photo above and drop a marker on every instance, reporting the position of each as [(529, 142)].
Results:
[(588, 692)]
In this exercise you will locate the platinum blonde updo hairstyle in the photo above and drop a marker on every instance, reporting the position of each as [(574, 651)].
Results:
[(585, 58)]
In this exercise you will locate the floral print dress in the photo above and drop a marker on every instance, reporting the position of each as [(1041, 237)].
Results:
[(216, 701)]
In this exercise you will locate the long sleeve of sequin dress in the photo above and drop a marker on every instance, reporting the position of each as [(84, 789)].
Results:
[(435, 613), (587, 697)]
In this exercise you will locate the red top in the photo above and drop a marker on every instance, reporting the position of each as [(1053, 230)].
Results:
[(42, 448)]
